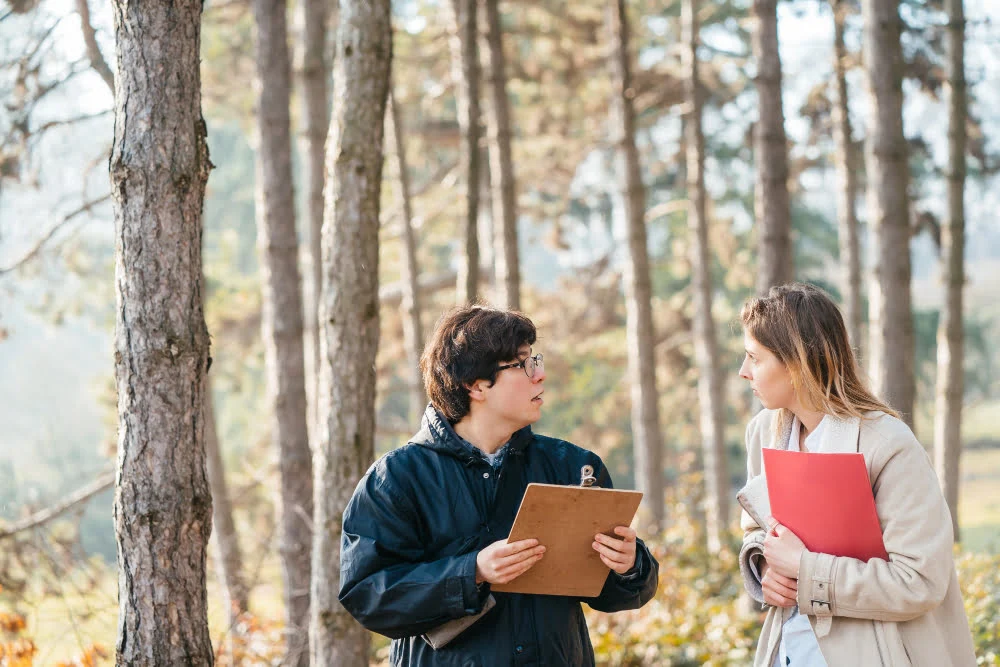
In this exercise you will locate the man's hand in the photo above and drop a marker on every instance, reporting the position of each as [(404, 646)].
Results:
[(783, 550), (619, 555), (501, 563), (779, 590)]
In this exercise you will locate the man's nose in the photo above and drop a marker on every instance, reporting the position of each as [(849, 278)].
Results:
[(539, 374)]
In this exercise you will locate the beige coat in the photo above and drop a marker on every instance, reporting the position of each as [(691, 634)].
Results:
[(904, 611)]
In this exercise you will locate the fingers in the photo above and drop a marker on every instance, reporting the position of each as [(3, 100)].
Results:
[(519, 557), (508, 571), (627, 533), (619, 555), (509, 548), (785, 588)]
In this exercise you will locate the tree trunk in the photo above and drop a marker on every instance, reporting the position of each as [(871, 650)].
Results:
[(646, 437), (466, 75), (281, 320), (710, 394), (775, 263), (847, 182), (504, 188), (890, 321), (228, 556), (413, 334), (950, 359), (349, 311), (163, 505), (313, 71)]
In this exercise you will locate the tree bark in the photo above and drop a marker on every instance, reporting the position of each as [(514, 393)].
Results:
[(314, 111), (504, 187), (710, 388), (349, 311), (163, 505), (951, 333), (646, 437), (281, 319), (847, 181), (413, 334), (890, 321), (775, 262), (228, 556), (466, 76)]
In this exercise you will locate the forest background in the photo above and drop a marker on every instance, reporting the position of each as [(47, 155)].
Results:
[(57, 253)]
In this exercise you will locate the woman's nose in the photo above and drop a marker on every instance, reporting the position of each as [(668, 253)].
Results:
[(744, 371)]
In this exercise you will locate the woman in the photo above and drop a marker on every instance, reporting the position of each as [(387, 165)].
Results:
[(836, 611)]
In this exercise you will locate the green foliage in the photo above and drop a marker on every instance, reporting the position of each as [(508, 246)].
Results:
[(979, 575), (696, 616)]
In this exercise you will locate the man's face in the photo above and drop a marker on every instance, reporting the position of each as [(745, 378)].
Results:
[(515, 398)]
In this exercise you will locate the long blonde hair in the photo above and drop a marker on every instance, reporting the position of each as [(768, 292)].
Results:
[(803, 327)]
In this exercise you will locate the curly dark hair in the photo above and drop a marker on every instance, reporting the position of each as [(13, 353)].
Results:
[(468, 344)]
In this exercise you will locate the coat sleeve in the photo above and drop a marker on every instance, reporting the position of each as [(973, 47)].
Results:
[(752, 551), (637, 586), (384, 584), (917, 532)]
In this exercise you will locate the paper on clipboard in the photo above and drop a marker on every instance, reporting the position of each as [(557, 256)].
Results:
[(826, 500), (565, 520)]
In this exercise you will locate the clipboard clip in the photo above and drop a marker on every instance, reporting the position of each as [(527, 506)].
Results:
[(587, 476)]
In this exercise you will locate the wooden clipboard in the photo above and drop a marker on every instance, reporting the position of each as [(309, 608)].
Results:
[(565, 520)]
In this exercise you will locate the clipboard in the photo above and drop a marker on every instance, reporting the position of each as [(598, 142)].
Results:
[(826, 499), (565, 520)]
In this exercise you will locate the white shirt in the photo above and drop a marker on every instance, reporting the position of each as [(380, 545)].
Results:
[(799, 647)]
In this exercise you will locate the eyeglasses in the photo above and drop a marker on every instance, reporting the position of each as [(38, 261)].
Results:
[(529, 364)]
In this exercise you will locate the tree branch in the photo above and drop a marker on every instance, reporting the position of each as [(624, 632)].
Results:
[(28, 256), (104, 481), (93, 50)]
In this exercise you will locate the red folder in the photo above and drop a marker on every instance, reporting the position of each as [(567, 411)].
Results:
[(825, 499)]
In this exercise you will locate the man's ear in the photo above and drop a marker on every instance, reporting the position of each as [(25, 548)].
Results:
[(477, 390)]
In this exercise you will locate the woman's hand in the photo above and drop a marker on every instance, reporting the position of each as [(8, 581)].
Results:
[(779, 590), (619, 555), (782, 551), (502, 562)]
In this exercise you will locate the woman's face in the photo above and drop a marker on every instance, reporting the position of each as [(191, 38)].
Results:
[(768, 377)]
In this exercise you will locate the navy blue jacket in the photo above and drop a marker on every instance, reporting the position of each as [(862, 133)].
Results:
[(412, 531)]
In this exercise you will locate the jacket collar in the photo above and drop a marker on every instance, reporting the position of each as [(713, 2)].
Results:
[(840, 434), (437, 433)]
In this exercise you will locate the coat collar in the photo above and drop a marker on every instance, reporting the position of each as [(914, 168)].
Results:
[(840, 434), (437, 433)]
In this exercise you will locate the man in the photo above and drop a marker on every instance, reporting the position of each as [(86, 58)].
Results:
[(424, 534)]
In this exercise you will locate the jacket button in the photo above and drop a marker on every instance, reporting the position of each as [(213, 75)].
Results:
[(486, 475), (518, 649)]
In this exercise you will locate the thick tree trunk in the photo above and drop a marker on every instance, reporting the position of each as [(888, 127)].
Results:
[(413, 334), (890, 320), (163, 505), (646, 437), (775, 262), (466, 76), (847, 181), (281, 320), (710, 389), (228, 556), (950, 338), (504, 188), (314, 113), (349, 311)]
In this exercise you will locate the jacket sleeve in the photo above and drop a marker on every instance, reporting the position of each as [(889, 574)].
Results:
[(384, 584), (752, 551), (917, 531), (637, 586)]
